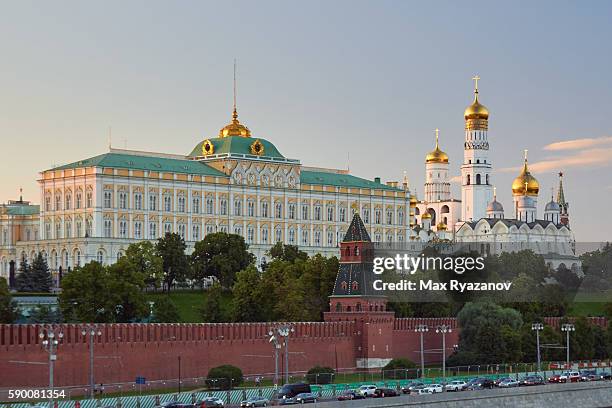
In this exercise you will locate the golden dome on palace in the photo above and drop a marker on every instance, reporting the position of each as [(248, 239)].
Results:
[(441, 226), (235, 128), (413, 201), (525, 183), (437, 155), (476, 110), (426, 215)]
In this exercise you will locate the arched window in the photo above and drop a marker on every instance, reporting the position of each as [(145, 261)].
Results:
[(344, 285), (358, 307), (478, 179), (348, 251), (487, 179), (469, 179), (356, 251), (338, 307), (355, 285)]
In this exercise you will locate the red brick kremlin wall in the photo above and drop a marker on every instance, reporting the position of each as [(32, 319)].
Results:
[(125, 351)]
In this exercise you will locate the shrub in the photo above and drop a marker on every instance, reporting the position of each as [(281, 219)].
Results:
[(224, 377), (320, 375), (399, 368)]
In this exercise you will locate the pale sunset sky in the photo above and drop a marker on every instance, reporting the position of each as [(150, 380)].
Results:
[(322, 80)]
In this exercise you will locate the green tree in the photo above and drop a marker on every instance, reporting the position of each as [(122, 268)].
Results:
[(24, 281), (143, 256), (41, 277), (489, 333), (317, 282), (165, 310), (171, 248), (224, 377), (320, 375), (211, 311), (246, 299), (582, 345), (220, 255), (600, 351), (95, 293), (288, 253), (8, 308), (609, 339)]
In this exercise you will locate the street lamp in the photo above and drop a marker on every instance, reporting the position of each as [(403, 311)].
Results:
[(567, 328), (93, 332), (284, 331), (277, 346), (422, 328), (537, 327), (444, 328), (50, 338)]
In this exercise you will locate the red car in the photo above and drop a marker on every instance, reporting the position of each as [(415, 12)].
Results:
[(555, 379)]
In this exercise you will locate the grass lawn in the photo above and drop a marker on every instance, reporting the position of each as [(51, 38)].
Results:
[(189, 303)]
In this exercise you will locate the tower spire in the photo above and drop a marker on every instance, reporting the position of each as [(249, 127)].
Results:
[(437, 138), (476, 78), (235, 112)]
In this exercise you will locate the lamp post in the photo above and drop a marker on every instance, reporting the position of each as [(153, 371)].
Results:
[(284, 331), (537, 327), (277, 346), (93, 332), (567, 328), (444, 328), (50, 339), (422, 328)]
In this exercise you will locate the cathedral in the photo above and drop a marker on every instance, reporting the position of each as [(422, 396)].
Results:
[(478, 217), (93, 209)]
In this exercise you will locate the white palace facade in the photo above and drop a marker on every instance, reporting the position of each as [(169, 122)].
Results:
[(93, 209)]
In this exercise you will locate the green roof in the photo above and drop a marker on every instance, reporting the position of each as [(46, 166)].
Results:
[(135, 162), (237, 145), (22, 209), (341, 180)]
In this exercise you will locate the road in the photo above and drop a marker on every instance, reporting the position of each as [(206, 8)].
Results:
[(588, 394)]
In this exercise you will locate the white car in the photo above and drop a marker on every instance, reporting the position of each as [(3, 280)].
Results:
[(434, 388), (570, 376), (367, 390), (423, 391), (456, 386)]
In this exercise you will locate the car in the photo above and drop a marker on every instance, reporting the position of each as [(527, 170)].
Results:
[(531, 380), (367, 390), (606, 375), (305, 398), (508, 383), (498, 380), (556, 378), (175, 404), (590, 375), (434, 388), (481, 383), (209, 402), (350, 395), (422, 391), (408, 388), (456, 386), (252, 402), (385, 392), (569, 376), (291, 390)]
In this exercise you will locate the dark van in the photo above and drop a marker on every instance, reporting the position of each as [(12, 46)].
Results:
[(291, 390)]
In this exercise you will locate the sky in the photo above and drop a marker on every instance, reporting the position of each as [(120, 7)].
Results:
[(358, 84)]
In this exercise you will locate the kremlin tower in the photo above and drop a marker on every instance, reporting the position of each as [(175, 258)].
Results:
[(476, 188)]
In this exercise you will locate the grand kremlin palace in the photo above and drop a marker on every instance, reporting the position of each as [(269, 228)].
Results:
[(93, 209)]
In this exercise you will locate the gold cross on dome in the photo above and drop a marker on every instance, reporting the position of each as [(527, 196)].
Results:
[(526, 154), (437, 135), (476, 78)]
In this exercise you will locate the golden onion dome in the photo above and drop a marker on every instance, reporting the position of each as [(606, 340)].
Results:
[(413, 201), (476, 110), (235, 128), (441, 226), (437, 155), (525, 183), (426, 215)]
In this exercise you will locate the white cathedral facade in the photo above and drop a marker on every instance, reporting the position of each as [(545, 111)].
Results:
[(478, 217)]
